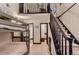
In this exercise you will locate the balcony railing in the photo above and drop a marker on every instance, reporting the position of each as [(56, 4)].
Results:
[(33, 8)]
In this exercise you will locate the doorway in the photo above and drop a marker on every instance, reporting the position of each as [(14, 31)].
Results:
[(44, 32)]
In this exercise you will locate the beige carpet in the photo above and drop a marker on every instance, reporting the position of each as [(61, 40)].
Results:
[(13, 48), (39, 49)]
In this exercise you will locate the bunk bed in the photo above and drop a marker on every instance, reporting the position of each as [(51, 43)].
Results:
[(10, 47)]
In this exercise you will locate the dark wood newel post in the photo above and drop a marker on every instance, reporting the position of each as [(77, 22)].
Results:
[(70, 46), (22, 37)]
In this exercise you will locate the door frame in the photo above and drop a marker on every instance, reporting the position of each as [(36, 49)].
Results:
[(47, 32), (33, 31)]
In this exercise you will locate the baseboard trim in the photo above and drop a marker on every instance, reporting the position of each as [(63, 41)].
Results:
[(36, 43)]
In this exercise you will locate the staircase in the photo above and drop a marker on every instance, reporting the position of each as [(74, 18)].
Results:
[(64, 41)]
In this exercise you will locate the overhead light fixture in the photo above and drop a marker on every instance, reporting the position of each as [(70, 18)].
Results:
[(13, 21), (19, 23)]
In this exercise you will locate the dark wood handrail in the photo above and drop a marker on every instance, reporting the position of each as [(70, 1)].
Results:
[(67, 10)]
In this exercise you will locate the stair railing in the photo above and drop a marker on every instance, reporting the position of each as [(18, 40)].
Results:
[(62, 40)]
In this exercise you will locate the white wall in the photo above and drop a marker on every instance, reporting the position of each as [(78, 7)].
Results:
[(43, 30), (12, 9), (31, 30), (37, 19), (59, 9), (62, 8), (5, 37), (71, 20)]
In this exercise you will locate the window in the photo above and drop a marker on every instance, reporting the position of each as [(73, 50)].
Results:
[(21, 7)]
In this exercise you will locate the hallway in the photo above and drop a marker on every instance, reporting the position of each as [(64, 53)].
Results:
[(39, 49), (29, 24)]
